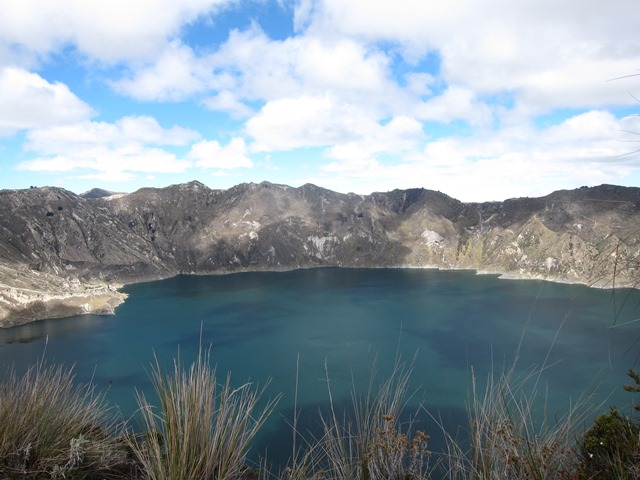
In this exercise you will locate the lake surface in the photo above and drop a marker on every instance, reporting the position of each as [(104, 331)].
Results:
[(265, 325)]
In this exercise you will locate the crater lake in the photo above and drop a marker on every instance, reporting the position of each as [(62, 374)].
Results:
[(336, 328)]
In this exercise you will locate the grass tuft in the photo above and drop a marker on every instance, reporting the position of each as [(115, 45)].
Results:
[(370, 444), (52, 428), (510, 437), (201, 429)]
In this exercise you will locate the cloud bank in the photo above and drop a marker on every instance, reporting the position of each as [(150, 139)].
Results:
[(482, 100)]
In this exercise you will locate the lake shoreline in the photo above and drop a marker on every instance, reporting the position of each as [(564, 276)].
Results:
[(298, 330), (22, 306)]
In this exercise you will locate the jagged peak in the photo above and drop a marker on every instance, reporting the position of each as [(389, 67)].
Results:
[(192, 185), (195, 184), (311, 187), (630, 195)]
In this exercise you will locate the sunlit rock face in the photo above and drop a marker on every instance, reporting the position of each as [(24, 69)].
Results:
[(63, 254)]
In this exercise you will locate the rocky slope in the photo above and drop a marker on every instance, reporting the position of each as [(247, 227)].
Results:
[(63, 254)]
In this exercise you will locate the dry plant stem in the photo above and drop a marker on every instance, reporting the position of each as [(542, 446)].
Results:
[(508, 441), (370, 445), (201, 429), (49, 426), (510, 434)]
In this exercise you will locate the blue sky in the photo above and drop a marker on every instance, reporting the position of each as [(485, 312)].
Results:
[(482, 100)]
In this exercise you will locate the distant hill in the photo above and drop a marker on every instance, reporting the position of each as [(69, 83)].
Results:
[(97, 193), (63, 254)]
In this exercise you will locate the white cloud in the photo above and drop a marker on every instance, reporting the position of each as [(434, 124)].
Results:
[(175, 75), (547, 55), (587, 128), (143, 130), (398, 138), (28, 101), (227, 102), (107, 31), (251, 66), (586, 149), (210, 154), (342, 65), (353, 139), (247, 66), (112, 163), (359, 80), (256, 67), (100, 150), (307, 121), (419, 83), (455, 103), (307, 65), (302, 14), (146, 129)]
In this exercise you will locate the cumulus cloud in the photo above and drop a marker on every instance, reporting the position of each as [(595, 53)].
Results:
[(174, 75), (118, 30), (588, 148), (226, 101), (455, 103), (547, 55), (29, 101), (306, 121), (349, 136), (109, 164), (533, 56), (108, 151), (250, 66), (141, 130), (447, 95), (211, 154), (398, 138)]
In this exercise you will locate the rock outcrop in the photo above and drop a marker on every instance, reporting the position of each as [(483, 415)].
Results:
[(63, 254)]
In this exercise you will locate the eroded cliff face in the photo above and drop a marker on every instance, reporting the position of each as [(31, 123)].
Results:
[(62, 254)]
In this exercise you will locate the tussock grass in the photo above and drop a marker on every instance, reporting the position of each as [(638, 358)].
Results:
[(201, 430), (509, 437), (510, 434), (369, 444), (52, 428)]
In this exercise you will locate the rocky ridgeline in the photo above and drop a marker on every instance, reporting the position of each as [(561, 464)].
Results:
[(63, 254)]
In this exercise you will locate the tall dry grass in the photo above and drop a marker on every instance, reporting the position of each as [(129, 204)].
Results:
[(510, 435), (201, 429), (369, 442), (52, 428)]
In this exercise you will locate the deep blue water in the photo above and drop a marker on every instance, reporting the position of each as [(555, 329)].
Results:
[(262, 325)]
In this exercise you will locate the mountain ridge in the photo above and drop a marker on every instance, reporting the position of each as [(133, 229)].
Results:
[(64, 254)]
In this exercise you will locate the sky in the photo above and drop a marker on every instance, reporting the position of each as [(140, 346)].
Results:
[(480, 99)]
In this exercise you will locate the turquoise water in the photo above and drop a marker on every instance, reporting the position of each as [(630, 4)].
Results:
[(261, 326)]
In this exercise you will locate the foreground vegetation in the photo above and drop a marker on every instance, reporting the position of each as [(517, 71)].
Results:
[(202, 429)]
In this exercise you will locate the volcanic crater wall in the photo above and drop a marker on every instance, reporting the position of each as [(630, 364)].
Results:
[(64, 254)]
